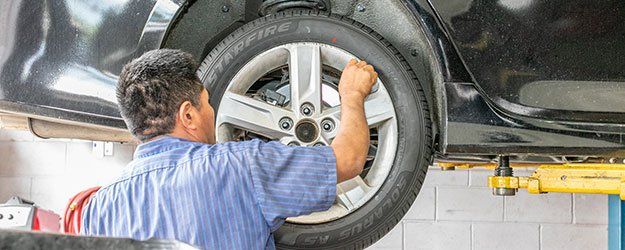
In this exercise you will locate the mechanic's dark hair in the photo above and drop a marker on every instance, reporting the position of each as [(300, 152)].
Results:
[(151, 89)]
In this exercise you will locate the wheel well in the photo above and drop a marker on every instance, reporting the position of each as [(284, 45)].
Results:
[(202, 24), (392, 19)]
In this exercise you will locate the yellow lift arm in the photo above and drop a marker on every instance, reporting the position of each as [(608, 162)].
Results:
[(591, 178)]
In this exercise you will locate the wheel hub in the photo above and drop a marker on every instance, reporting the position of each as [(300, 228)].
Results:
[(306, 131)]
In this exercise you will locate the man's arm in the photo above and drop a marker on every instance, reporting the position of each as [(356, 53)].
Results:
[(293, 181), (352, 141)]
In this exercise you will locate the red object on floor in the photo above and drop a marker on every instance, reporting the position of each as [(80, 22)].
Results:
[(73, 211), (46, 221)]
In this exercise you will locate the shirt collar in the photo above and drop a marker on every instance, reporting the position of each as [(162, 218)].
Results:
[(157, 145)]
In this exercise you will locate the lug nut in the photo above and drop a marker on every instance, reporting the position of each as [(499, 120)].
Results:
[(286, 123), (319, 144), (293, 144), (327, 125), (307, 109)]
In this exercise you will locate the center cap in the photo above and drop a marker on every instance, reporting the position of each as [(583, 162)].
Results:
[(306, 131)]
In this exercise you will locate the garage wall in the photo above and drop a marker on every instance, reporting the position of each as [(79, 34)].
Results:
[(49, 172), (454, 210)]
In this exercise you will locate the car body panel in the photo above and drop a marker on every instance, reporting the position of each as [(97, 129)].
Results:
[(474, 127), (556, 60), (61, 59)]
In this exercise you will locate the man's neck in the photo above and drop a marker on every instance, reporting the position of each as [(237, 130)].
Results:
[(183, 135)]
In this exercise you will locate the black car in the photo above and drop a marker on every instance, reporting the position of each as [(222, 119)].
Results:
[(460, 81)]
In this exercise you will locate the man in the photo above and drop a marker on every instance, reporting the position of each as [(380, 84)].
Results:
[(183, 186)]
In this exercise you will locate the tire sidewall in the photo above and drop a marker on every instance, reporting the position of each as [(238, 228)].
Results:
[(390, 203)]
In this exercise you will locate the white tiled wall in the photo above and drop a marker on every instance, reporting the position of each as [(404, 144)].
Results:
[(49, 172), (454, 210)]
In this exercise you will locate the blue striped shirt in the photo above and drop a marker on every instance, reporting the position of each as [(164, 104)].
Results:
[(223, 196)]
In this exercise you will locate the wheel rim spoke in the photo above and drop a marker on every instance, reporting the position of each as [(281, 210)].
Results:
[(305, 76), (288, 139), (351, 191), (253, 115), (378, 108)]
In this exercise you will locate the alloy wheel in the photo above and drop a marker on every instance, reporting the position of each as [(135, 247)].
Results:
[(289, 93)]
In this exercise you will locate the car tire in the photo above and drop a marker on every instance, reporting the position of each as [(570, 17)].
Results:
[(381, 213)]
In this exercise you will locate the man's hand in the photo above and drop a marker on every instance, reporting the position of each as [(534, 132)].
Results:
[(352, 141), (357, 79)]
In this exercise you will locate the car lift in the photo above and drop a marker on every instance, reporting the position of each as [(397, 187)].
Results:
[(587, 178)]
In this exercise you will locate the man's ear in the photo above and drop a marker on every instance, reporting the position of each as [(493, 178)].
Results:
[(187, 115)]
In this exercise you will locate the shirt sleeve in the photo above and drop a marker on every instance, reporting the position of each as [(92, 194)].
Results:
[(292, 181), (86, 219)]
